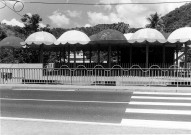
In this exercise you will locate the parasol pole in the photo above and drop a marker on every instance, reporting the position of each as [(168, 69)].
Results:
[(90, 54), (186, 54), (64, 53), (117, 56), (109, 56), (147, 55), (41, 53), (68, 54), (98, 53), (83, 55), (75, 56), (130, 58), (13, 55), (164, 53), (177, 54)]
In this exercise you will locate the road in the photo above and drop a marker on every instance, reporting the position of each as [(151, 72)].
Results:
[(136, 109)]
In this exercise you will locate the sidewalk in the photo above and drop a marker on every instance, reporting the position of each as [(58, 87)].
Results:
[(14, 127), (96, 88)]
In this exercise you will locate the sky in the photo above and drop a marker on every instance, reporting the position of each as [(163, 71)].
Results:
[(70, 16)]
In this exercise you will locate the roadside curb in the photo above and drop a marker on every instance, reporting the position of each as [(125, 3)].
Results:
[(95, 88)]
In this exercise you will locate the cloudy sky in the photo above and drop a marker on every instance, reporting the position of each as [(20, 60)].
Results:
[(68, 16)]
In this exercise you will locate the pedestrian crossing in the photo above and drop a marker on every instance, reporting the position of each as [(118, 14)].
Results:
[(159, 110)]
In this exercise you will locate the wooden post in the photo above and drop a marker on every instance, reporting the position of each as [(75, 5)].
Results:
[(130, 53), (186, 55), (41, 53), (164, 54), (118, 56), (13, 55), (177, 55), (98, 54), (83, 56), (147, 55), (64, 53), (90, 54), (75, 56), (60, 56), (109, 56), (68, 55)]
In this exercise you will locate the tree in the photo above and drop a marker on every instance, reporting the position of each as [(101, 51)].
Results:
[(6, 55), (2, 33), (155, 22), (46, 28), (31, 23)]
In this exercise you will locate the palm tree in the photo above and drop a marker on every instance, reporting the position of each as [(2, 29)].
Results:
[(155, 22)]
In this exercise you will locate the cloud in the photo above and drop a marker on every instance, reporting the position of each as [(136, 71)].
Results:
[(42, 25), (87, 25), (134, 14), (12, 22), (58, 19), (73, 14), (29, 14), (100, 18)]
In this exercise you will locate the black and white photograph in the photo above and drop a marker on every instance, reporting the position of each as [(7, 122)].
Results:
[(95, 67)]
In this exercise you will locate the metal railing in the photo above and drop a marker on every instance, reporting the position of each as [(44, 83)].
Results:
[(115, 76)]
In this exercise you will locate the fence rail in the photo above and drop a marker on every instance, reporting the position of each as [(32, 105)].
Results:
[(98, 76)]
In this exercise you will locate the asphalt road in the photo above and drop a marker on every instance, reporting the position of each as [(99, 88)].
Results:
[(67, 105), (100, 107)]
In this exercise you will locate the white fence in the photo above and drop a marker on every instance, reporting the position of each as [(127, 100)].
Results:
[(115, 76)]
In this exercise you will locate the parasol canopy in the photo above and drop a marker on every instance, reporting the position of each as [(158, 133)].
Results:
[(180, 35), (11, 42), (108, 35), (73, 37), (128, 36), (147, 35), (39, 38)]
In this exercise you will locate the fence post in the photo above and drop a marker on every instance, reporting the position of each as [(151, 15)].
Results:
[(47, 73), (177, 80), (150, 79), (3, 76), (24, 76), (71, 77)]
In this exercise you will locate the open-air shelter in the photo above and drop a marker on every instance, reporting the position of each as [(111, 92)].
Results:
[(11, 42), (181, 36), (146, 47), (110, 41), (72, 40), (39, 40)]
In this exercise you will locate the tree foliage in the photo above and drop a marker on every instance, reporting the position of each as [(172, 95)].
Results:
[(180, 17), (155, 22), (121, 27), (2, 33), (31, 23)]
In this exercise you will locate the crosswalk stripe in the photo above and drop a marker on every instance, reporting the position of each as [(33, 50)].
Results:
[(159, 103), (173, 100), (154, 97), (157, 111), (162, 93), (156, 124)]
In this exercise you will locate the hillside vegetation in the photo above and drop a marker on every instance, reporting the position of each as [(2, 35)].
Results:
[(180, 17)]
